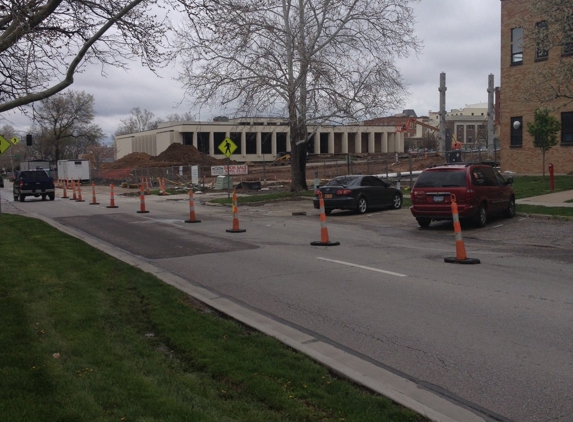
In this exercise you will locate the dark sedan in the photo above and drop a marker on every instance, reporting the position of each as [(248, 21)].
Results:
[(358, 193)]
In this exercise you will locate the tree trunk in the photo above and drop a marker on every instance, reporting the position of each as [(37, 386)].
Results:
[(298, 156)]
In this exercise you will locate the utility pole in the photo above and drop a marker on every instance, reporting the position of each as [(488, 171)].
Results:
[(442, 113), (490, 116)]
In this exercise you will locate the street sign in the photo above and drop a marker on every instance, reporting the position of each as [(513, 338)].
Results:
[(4, 145), (14, 140), (227, 147)]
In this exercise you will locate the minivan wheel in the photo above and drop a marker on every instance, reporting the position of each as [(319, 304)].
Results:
[(362, 205), (423, 222), (481, 217), (510, 210)]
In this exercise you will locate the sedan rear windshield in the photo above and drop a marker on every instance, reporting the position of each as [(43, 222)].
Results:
[(441, 179), (343, 181)]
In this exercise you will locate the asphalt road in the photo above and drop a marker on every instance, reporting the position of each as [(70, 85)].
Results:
[(494, 337)]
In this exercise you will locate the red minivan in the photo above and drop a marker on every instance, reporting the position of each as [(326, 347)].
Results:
[(479, 189)]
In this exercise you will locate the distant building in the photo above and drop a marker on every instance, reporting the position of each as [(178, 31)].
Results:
[(523, 59), (467, 125), (260, 139)]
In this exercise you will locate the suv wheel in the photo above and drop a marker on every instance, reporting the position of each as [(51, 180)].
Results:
[(362, 205), (423, 221), (481, 217), (22, 197), (510, 210)]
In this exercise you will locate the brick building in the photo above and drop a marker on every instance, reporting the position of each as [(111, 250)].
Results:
[(535, 48)]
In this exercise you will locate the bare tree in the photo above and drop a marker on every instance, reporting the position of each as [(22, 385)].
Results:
[(138, 121), (551, 35), (314, 61), (43, 43), (64, 126)]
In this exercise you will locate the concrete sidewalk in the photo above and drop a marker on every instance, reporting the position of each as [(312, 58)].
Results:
[(556, 199)]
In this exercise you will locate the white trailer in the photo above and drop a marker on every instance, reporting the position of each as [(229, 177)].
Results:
[(35, 164), (74, 170)]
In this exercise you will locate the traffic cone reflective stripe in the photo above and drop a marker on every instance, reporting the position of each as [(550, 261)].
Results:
[(461, 257), (324, 241), (79, 192), (94, 202), (65, 191), (74, 197)]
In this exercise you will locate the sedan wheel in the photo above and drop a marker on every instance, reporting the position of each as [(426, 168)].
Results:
[(397, 202), (362, 205)]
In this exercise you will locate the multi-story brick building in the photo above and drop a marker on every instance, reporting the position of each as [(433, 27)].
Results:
[(536, 48)]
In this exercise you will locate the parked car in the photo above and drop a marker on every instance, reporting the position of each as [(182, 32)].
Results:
[(359, 193), (36, 183), (1, 182), (479, 189)]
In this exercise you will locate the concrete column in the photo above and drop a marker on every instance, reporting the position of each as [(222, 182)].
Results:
[(371, 146), (358, 142), (243, 143), (274, 143), (331, 142), (259, 143), (384, 146), (317, 143), (211, 143), (345, 142)]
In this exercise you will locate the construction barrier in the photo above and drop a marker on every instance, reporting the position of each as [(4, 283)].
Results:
[(235, 228), (324, 241), (80, 192), (111, 198), (142, 200), (162, 184), (461, 257), (94, 202), (192, 218)]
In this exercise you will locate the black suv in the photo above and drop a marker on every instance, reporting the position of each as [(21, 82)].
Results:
[(479, 190), (33, 183)]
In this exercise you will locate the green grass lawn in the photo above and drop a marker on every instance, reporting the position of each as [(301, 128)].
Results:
[(528, 186), (86, 337)]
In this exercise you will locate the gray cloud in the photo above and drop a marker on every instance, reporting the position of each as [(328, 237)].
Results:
[(461, 38)]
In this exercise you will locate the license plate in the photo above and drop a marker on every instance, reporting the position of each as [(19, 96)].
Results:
[(327, 196), (439, 198)]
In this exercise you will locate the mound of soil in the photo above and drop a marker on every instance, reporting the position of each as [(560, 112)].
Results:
[(175, 155)]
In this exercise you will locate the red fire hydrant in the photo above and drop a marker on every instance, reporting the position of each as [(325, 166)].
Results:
[(551, 177)]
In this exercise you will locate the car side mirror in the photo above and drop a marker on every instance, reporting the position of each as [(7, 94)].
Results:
[(509, 181)]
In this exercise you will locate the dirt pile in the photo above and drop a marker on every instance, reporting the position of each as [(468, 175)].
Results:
[(175, 155)]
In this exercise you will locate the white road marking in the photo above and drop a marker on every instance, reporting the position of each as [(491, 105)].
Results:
[(362, 266)]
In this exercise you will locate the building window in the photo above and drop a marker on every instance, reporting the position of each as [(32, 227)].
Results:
[(567, 45), (541, 41), (251, 142), (567, 128), (516, 132), (517, 46)]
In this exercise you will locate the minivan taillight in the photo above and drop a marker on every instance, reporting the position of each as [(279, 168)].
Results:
[(418, 196), (470, 193)]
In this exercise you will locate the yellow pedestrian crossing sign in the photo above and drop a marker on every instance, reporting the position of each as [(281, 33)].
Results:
[(14, 140), (227, 147), (4, 145)]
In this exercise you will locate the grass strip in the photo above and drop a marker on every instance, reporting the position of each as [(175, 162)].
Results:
[(528, 186), (86, 337)]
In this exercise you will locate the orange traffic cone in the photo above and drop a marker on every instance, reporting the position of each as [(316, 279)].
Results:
[(192, 218), (235, 228), (324, 241), (74, 197), (65, 195), (94, 202), (142, 200), (111, 198), (461, 257), (80, 192)]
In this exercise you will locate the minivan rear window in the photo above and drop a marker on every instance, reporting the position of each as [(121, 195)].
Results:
[(441, 179)]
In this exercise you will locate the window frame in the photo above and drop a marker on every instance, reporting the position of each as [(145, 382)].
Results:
[(516, 135), (516, 49)]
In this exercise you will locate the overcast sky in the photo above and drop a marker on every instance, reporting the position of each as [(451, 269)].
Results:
[(460, 37)]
